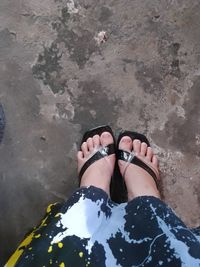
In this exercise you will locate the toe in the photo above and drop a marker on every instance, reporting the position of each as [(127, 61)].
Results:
[(84, 148), (126, 144), (136, 145), (80, 155), (149, 153), (96, 140), (90, 144), (143, 149), (106, 139), (155, 161)]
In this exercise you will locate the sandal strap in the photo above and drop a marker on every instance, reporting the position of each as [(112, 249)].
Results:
[(131, 158), (101, 153)]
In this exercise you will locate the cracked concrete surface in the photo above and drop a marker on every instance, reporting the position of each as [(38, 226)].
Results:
[(57, 79)]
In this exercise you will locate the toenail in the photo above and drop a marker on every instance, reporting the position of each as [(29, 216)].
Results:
[(126, 139), (137, 141), (106, 134)]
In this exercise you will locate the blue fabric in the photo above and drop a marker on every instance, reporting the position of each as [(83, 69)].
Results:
[(89, 229)]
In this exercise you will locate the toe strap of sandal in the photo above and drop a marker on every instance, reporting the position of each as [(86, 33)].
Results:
[(101, 153), (132, 158)]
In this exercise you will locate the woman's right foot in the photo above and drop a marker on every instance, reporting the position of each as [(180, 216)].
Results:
[(138, 181)]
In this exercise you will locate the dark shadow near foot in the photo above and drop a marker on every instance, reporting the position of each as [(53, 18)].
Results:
[(118, 190), (2, 122)]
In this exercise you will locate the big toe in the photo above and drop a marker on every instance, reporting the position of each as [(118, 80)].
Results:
[(106, 139), (125, 144)]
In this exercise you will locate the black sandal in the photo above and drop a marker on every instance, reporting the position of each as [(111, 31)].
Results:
[(2, 123), (102, 152), (131, 157)]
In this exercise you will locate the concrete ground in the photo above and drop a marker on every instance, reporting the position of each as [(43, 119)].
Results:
[(67, 66)]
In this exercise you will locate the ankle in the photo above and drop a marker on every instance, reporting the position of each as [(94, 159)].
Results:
[(140, 184), (96, 183), (145, 191), (99, 179)]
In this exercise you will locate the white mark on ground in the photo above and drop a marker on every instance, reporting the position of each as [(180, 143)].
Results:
[(180, 112), (197, 137), (71, 7), (101, 37)]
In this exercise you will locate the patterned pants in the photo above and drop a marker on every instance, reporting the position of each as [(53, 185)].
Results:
[(91, 230)]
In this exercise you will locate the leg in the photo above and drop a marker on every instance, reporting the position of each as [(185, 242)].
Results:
[(159, 237)]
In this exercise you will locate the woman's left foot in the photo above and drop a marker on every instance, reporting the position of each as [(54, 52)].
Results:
[(138, 181), (99, 173)]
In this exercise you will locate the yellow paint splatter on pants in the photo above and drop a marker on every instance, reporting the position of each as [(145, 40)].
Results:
[(50, 249), (81, 254), (49, 208), (13, 259), (60, 245)]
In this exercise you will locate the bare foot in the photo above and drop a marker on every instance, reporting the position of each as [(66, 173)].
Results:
[(138, 181), (100, 172)]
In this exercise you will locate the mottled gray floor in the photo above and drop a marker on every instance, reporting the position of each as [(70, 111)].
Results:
[(57, 79)]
